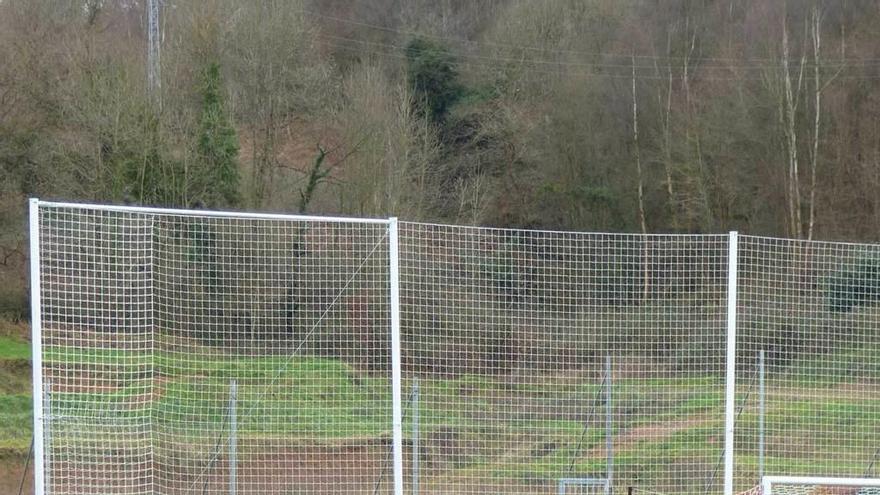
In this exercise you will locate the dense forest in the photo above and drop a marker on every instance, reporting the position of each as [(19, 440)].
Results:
[(641, 116)]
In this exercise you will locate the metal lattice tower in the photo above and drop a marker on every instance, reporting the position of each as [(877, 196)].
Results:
[(154, 80)]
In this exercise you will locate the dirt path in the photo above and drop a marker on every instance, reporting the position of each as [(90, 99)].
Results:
[(653, 432)]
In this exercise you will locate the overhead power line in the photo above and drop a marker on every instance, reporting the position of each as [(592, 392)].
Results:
[(738, 63), (554, 67)]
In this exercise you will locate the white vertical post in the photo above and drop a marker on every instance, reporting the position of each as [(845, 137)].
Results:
[(153, 370), (396, 405), (47, 432), (37, 347), (609, 443), (761, 404), (415, 438), (730, 392), (233, 437)]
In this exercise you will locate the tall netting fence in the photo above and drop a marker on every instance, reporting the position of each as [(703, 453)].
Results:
[(209, 352), (213, 354), (808, 360), (508, 334), (97, 350)]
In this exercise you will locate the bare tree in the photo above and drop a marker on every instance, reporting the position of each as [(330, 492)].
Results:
[(818, 87), (664, 102), (640, 181), (788, 119), (637, 151), (389, 173)]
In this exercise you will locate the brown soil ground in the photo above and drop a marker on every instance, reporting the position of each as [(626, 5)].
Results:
[(10, 476), (354, 467)]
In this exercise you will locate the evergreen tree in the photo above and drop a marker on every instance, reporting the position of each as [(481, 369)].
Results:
[(432, 77), (217, 145)]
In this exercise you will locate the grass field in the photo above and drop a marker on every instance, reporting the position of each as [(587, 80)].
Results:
[(473, 427), (15, 404)]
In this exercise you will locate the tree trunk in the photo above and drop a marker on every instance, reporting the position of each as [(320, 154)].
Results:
[(814, 157), (667, 133), (791, 95), (641, 182)]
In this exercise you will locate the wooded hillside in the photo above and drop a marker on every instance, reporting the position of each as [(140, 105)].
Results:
[(659, 116)]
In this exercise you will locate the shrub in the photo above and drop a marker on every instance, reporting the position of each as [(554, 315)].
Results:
[(855, 285)]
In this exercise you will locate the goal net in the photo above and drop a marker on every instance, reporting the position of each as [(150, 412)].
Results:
[(813, 485)]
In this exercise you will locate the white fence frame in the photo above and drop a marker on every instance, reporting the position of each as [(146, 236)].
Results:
[(767, 482), (37, 348), (40, 468), (730, 390), (34, 205), (604, 484)]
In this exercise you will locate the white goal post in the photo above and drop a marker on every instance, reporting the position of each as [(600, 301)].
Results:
[(819, 485)]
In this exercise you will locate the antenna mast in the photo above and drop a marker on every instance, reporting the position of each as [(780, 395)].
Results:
[(154, 80)]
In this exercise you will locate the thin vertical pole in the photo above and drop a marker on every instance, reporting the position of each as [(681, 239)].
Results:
[(761, 410), (415, 438), (233, 437), (154, 79), (396, 406), (47, 431), (609, 437), (37, 347), (153, 370), (730, 390)]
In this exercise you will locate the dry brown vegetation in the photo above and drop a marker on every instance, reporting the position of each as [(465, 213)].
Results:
[(686, 116)]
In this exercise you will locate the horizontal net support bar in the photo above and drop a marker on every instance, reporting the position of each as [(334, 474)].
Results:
[(212, 213)]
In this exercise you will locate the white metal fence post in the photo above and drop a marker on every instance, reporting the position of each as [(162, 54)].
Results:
[(609, 438), (36, 347), (47, 434), (233, 438), (396, 406), (415, 438), (730, 391), (761, 404)]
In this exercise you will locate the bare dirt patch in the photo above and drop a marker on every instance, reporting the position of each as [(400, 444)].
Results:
[(11, 468), (653, 432), (352, 467), (17, 329)]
